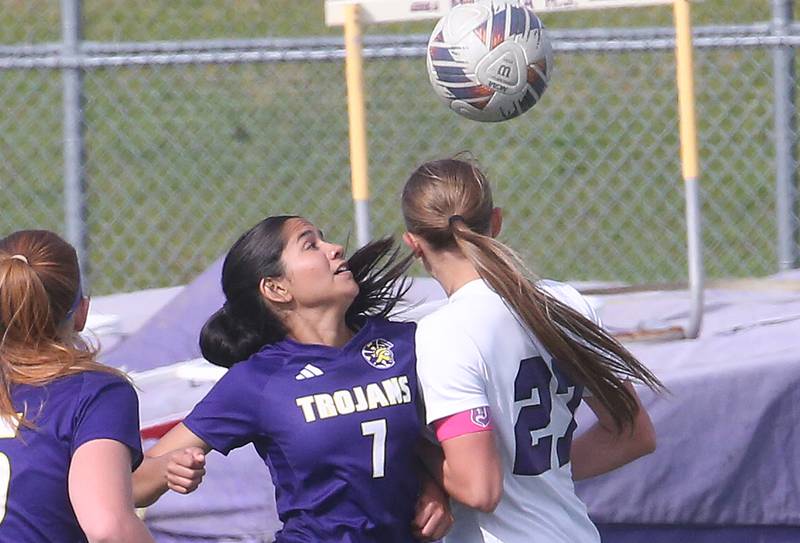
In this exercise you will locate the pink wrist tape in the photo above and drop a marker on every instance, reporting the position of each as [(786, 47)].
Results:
[(477, 419)]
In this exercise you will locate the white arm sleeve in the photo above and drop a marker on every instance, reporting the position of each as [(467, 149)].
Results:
[(450, 368)]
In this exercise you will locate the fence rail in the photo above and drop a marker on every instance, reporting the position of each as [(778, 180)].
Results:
[(99, 55)]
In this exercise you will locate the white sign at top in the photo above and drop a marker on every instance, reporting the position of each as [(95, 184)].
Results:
[(391, 11)]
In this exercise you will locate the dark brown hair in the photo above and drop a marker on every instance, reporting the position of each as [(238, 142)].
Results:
[(449, 204), (245, 323), (39, 288)]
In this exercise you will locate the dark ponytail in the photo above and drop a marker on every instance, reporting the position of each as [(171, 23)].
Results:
[(449, 204), (245, 323), (226, 340), (380, 273)]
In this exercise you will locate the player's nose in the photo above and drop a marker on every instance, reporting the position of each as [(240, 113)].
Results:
[(335, 251)]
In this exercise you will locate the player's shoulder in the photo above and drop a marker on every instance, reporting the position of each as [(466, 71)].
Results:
[(569, 295), (557, 289), (391, 327), (103, 377), (94, 381), (464, 309), (444, 325), (75, 389), (245, 381), (261, 364), (85, 388), (435, 320)]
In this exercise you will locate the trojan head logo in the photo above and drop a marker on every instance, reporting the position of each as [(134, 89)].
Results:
[(378, 354)]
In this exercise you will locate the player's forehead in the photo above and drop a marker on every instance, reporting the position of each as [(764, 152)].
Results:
[(298, 229)]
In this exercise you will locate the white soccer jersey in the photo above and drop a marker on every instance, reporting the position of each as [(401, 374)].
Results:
[(473, 352)]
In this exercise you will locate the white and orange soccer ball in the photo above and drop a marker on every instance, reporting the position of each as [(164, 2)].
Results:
[(490, 60)]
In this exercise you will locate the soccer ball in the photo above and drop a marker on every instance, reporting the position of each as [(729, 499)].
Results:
[(489, 61)]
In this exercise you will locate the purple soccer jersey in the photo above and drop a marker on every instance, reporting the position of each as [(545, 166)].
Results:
[(34, 463), (337, 428)]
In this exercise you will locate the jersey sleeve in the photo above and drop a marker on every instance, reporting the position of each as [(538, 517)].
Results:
[(450, 369), (228, 416), (108, 408), (570, 296)]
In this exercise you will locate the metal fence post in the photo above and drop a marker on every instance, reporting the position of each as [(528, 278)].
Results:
[(75, 206), (785, 137)]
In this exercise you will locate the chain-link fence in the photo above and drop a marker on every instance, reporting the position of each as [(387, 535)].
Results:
[(201, 117)]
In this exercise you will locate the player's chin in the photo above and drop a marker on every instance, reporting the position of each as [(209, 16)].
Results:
[(349, 290), (353, 290)]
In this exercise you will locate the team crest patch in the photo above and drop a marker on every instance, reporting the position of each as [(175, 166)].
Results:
[(480, 416), (378, 354)]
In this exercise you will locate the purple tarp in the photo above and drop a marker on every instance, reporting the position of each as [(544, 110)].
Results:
[(171, 334)]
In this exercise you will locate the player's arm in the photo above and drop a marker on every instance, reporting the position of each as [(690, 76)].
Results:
[(176, 462), (451, 373), (603, 448), (99, 484), (468, 465), (471, 470), (225, 419)]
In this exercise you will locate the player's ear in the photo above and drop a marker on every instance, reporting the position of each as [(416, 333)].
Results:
[(81, 314), (413, 244), (274, 291), (496, 221)]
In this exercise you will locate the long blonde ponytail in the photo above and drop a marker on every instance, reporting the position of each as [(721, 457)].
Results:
[(449, 204)]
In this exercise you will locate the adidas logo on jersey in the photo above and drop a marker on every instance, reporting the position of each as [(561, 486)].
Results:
[(309, 372)]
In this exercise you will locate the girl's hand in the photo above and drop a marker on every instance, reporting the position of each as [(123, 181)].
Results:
[(432, 519), (176, 462), (185, 469)]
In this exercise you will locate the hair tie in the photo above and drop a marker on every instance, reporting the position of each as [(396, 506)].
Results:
[(21, 258), (453, 218)]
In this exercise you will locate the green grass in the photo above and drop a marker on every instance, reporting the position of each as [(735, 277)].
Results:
[(180, 160)]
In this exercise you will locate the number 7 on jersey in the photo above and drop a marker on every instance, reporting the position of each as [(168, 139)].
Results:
[(376, 429)]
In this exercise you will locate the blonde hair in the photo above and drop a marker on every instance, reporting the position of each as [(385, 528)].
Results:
[(449, 204), (39, 289)]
